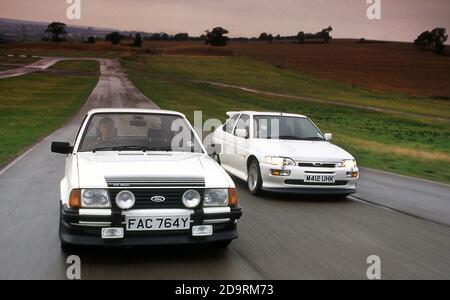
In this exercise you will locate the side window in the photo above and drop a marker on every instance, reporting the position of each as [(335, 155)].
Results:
[(243, 123), (228, 127)]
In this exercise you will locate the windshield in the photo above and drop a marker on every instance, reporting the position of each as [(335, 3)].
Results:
[(285, 128), (138, 132)]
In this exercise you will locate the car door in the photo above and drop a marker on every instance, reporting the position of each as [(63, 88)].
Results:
[(227, 140), (238, 161)]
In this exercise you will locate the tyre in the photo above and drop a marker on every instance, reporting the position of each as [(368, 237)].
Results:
[(254, 180)]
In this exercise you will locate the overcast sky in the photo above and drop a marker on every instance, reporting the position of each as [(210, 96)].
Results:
[(401, 19)]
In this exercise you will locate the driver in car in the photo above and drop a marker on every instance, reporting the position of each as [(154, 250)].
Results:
[(106, 131)]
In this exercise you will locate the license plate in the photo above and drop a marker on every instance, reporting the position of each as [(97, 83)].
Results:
[(157, 223), (319, 178)]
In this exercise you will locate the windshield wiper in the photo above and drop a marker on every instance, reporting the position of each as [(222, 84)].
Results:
[(289, 137), (313, 138), (123, 148)]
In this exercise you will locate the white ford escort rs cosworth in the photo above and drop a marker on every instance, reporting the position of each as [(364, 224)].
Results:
[(142, 177), (284, 152)]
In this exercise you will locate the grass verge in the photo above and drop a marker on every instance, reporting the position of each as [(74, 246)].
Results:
[(34, 105)]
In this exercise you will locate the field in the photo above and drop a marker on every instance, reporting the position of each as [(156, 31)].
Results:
[(385, 67), (34, 105)]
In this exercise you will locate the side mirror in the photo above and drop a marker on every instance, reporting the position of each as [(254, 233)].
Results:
[(242, 133), (328, 136), (61, 148), (213, 149)]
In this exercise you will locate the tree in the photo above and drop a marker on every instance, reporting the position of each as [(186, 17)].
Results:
[(435, 38), (181, 37), (216, 37), (91, 40), (137, 40), (56, 29), (114, 37), (263, 36), (270, 38), (301, 37), (325, 33)]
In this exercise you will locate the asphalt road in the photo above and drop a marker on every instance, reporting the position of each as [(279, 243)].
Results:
[(282, 237)]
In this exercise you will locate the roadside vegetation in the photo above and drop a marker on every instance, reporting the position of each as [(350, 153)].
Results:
[(402, 144), (77, 66), (34, 105)]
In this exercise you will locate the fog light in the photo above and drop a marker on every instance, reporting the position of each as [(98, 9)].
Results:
[(352, 174), (281, 172), (202, 230), (112, 233)]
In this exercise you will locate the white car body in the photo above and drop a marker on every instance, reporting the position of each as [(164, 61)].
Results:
[(139, 172), (320, 158)]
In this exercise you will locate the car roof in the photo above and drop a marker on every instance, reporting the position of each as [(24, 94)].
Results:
[(264, 113), (135, 110)]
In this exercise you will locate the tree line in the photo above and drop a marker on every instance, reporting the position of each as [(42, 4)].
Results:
[(218, 37)]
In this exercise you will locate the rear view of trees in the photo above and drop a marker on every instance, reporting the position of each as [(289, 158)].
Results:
[(435, 38), (216, 37), (57, 29), (114, 37), (137, 40), (324, 35), (266, 37)]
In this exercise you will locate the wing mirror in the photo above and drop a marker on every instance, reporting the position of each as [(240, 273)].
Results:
[(61, 147), (242, 133), (213, 149), (328, 136)]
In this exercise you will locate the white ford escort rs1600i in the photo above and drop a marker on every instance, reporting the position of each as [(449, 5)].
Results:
[(142, 177), (284, 152)]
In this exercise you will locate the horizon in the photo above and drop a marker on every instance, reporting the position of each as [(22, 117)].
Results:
[(401, 20)]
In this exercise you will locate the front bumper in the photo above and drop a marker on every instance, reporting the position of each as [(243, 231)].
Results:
[(84, 226), (294, 183)]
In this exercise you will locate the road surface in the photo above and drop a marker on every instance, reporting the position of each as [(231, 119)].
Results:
[(282, 237)]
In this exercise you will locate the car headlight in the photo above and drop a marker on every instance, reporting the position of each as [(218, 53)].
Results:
[(191, 198), (95, 198), (216, 197), (348, 163), (280, 161), (125, 200)]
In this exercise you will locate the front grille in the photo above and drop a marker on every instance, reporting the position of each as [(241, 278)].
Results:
[(143, 197), (317, 165), (301, 182)]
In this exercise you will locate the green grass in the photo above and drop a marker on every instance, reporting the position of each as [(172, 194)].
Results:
[(2, 68), (378, 140), (262, 76), (104, 50), (76, 66), (34, 105), (5, 59)]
